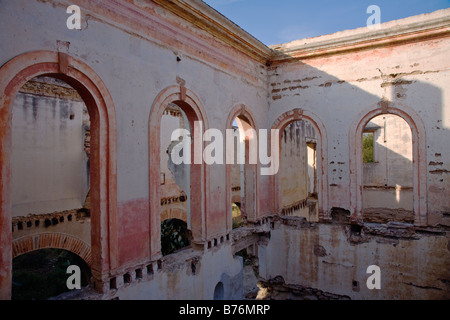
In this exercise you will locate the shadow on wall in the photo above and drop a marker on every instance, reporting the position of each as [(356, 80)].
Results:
[(342, 104), (345, 106), (298, 170), (42, 274), (388, 170)]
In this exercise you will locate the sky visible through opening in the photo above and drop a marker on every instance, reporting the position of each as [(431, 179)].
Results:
[(280, 21)]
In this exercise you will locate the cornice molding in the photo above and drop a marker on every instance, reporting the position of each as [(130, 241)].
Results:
[(149, 20), (206, 18), (408, 30), (134, 16)]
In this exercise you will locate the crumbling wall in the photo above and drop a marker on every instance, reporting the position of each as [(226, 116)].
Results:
[(146, 51), (237, 178), (175, 178), (295, 172), (388, 180), (342, 88), (50, 166), (187, 275), (277, 289), (334, 258)]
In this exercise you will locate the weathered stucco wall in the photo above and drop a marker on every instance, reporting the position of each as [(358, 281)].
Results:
[(388, 180), (335, 257), (175, 179), (49, 164), (392, 163), (189, 276), (341, 89), (138, 50), (135, 70), (133, 58), (295, 170)]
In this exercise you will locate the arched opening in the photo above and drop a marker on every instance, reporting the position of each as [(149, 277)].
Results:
[(175, 146), (298, 170), (50, 150), (238, 220), (50, 178), (42, 274), (175, 179), (303, 152), (100, 169), (237, 178), (387, 153), (219, 292), (414, 137), (175, 236), (243, 171), (242, 168)]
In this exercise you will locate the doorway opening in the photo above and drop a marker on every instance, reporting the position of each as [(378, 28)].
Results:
[(298, 170), (175, 182), (387, 170)]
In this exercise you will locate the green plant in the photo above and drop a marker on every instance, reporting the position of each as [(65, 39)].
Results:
[(174, 236), (368, 147)]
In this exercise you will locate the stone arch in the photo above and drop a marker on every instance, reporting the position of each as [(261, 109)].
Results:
[(192, 106), (174, 213), (322, 157), (241, 111), (100, 105), (54, 241), (235, 199), (419, 157)]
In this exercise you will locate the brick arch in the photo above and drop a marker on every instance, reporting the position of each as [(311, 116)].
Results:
[(242, 112), (100, 105), (419, 157), (322, 158), (192, 106), (174, 213), (236, 199), (54, 241)]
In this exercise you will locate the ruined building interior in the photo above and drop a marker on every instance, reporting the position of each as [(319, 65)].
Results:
[(87, 177)]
